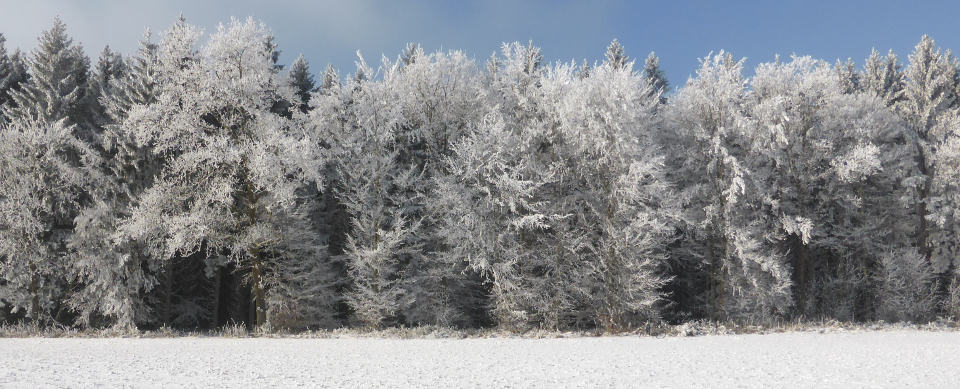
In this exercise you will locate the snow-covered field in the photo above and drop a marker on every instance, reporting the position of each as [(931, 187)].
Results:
[(858, 359)]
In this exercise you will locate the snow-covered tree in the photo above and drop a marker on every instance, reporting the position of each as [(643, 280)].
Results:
[(5, 67), (558, 199), (390, 138), (616, 55), (359, 122), (115, 273), (848, 75), (883, 76), (56, 87), (44, 172), (138, 83), (908, 289), (709, 147), (440, 97), (494, 220), (53, 163), (411, 54), (232, 167), (584, 70), (655, 77), (13, 72), (302, 283), (831, 160), (612, 190), (302, 82), (330, 78), (110, 66), (929, 108)]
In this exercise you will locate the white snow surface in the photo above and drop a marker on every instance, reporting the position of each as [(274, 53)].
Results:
[(855, 359)]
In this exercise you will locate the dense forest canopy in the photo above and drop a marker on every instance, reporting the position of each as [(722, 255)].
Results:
[(199, 182)]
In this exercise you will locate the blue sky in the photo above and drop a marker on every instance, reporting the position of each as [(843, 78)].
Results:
[(679, 31)]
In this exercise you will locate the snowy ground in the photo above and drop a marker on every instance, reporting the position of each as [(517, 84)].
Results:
[(860, 359)]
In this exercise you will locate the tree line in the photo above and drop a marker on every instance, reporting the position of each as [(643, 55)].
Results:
[(199, 182)]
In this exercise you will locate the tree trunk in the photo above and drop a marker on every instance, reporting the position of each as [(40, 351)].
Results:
[(924, 192), (34, 294), (259, 295), (256, 257), (801, 272), (216, 298), (719, 258), (714, 280), (168, 294), (946, 281)]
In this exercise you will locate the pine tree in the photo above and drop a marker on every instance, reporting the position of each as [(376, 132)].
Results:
[(584, 70), (49, 103), (616, 56), (302, 82), (358, 121), (138, 83), (849, 77), (884, 78), (13, 73), (116, 273), (56, 88), (330, 79), (109, 67), (5, 68), (655, 76)]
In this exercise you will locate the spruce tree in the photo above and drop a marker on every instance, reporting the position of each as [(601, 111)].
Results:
[(330, 79), (137, 84), (356, 123), (57, 85), (110, 66), (116, 273), (13, 73), (584, 70), (849, 77), (883, 76), (616, 55), (302, 82), (655, 76)]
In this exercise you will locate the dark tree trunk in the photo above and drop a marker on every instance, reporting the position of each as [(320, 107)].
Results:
[(34, 294)]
